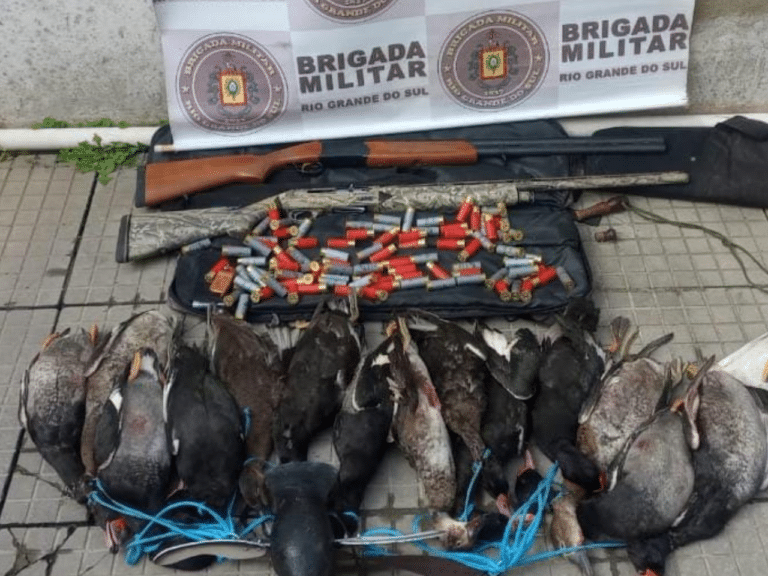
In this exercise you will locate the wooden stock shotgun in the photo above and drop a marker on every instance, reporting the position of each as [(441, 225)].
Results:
[(164, 181)]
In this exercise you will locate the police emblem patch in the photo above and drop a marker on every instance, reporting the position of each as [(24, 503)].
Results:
[(493, 60), (230, 84)]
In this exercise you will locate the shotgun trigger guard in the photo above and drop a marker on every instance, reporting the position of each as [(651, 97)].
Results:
[(300, 214), (310, 168)]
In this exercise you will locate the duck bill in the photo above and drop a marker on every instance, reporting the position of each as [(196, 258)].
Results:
[(115, 533), (145, 361), (528, 464), (48, 340), (93, 334), (619, 329), (688, 404), (503, 505)]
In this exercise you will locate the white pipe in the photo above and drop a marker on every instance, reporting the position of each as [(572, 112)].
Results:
[(57, 138)]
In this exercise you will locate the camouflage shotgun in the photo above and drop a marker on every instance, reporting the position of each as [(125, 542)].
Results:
[(168, 180), (152, 233)]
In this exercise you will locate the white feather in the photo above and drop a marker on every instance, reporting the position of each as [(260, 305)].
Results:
[(116, 399), (22, 407), (350, 395), (521, 441), (680, 517), (592, 342), (167, 393), (747, 363), (380, 360), (107, 461), (476, 351), (497, 341)]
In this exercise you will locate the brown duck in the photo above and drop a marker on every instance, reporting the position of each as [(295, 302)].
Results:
[(456, 361), (422, 435), (250, 366)]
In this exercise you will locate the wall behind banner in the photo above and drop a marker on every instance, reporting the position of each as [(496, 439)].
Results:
[(86, 59)]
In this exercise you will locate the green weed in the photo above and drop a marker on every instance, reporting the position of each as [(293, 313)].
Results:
[(88, 157)]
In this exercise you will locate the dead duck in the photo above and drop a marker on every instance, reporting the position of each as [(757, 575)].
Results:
[(505, 425), (514, 363), (204, 427), (322, 365), (150, 329), (301, 540), (650, 483), (571, 366), (52, 403), (250, 365), (506, 422), (422, 436), (456, 361), (362, 429), (136, 467), (625, 398), (564, 530), (729, 467), (505, 431)]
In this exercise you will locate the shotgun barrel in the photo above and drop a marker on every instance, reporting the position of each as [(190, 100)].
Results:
[(145, 234), (168, 180)]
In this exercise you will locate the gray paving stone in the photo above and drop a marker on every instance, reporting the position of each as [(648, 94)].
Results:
[(20, 169), (685, 279), (643, 299), (34, 230), (751, 564), (617, 300), (99, 278)]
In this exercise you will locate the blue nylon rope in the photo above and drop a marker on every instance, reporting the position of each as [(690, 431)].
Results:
[(511, 550), (477, 467), (219, 528)]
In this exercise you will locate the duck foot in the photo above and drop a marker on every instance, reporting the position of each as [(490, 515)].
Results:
[(503, 505)]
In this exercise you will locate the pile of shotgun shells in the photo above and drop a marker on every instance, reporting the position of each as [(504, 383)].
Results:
[(375, 257)]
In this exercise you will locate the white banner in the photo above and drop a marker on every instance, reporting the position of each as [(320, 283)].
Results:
[(259, 71)]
